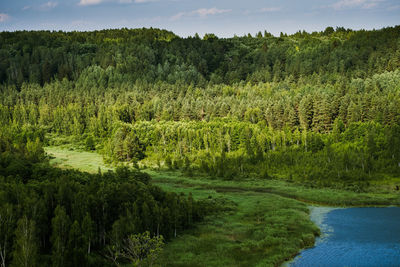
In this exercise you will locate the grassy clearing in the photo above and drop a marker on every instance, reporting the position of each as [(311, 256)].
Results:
[(318, 196), (265, 225), (263, 230), (66, 157)]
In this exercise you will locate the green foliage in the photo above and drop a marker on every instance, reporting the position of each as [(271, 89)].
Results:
[(141, 248), (110, 57), (90, 143), (257, 229), (50, 216), (320, 110), (26, 250)]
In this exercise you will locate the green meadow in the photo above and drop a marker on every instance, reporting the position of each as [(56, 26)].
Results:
[(66, 157), (263, 223)]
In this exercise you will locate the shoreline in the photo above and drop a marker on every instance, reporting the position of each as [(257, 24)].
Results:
[(317, 216)]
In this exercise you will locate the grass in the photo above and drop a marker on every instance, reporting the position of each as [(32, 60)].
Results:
[(267, 223), (313, 196), (263, 230), (269, 226), (66, 157)]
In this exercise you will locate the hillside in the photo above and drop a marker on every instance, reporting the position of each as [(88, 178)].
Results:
[(239, 135)]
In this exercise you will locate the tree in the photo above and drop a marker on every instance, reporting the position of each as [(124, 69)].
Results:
[(89, 143), (34, 150), (76, 250), (328, 31), (354, 112), (338, 128), (6, 229), (168, 162), (142, 248), (87, 231), (59, 238), (26, 251), (306, 112)]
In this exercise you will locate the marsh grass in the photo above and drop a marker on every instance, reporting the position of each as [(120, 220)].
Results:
[(312, 196), (264, 230)]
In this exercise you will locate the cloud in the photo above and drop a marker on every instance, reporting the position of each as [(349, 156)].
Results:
[(270, 9), (89, 2), (48, 5), (141, 1), (44, 7), (4, 17), (96, 2), (178, 16), (136, 1), (364, 4), (202, 12)]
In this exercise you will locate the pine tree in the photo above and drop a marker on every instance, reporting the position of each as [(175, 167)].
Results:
[(306, 112)]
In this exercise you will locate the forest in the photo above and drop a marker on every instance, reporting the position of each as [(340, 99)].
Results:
[(56, 217), (320, 110)]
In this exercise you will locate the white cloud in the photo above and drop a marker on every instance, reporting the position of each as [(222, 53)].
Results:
[(48, 5), (202, 12), (96, 2), (143, 1), (270, 9), (179, 15), (43, 7), (364, 4), (4, 17), (89, 2), (136, 1)]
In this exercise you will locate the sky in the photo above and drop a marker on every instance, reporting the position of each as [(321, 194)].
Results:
[(225, 18)]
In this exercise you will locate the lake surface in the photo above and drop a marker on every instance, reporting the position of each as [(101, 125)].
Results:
[(354, 237)]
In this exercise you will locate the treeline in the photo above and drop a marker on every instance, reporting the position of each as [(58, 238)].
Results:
[(324, 110), (113, 57), (339, 134), (312, 105), (345, 158), (50, 216)]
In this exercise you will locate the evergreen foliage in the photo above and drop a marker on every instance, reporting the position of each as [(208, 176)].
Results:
[(320, 109), (50, 216)]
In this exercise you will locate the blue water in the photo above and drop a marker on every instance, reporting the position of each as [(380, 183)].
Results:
[(354, 237)]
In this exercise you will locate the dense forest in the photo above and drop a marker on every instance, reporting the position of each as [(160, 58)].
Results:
[(110, 58), (226, 107), (50, 216), (321, 109)]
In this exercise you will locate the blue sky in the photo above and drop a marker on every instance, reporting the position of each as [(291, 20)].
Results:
[(186, 17)]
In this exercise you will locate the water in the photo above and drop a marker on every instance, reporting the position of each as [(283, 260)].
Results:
[(354, 237)]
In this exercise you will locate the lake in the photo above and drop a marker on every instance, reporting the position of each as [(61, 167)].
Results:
[(354, 237)]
